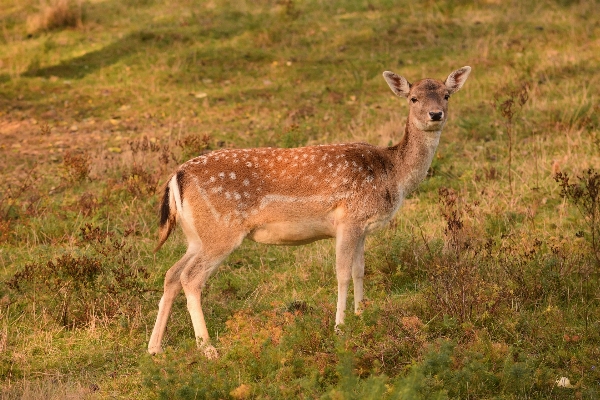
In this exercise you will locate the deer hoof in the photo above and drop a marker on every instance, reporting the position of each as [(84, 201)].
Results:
[(209, 352), (155, 350)]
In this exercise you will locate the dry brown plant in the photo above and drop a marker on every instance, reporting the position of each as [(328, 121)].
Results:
[(55, 14)]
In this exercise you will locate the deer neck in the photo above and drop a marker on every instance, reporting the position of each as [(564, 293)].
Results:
[(414, 155)]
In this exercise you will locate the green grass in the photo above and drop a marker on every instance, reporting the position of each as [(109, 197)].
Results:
[(504, 316)]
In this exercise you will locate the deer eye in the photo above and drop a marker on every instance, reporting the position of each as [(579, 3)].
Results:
[(447, 97), (413, 99)]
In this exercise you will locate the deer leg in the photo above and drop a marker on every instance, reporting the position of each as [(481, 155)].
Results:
[(358, 272), (347, 241), (193, 279), (172, 287)]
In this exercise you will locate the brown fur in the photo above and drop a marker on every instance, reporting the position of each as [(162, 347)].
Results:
[(296, 196)]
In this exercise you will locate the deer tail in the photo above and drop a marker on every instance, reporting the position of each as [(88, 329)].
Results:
[(170, 204)]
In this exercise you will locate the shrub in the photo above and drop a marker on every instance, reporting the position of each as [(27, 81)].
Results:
[(192, 146), (78, 288), (460, 285), (55, 14), (76, 165), (585, 194)]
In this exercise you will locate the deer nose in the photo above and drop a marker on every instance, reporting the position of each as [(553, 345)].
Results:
[(436, 116)]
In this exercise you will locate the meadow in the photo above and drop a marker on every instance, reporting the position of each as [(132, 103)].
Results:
[(485, 285)]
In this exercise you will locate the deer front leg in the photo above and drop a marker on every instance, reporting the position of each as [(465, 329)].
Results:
[(358, 272), (348, 240)]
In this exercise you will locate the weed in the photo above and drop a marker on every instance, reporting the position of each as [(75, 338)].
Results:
[(139, 181), (77, 289), (77, 165), (13, 199), (585, 194), (144, 145), (88, 203), (192, 146), (506, 101), (45, 130), (458, 287)]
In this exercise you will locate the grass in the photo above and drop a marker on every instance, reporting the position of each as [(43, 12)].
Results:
[(93, 117)]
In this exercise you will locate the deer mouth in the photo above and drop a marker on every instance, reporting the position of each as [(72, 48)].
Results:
[(433, 125)]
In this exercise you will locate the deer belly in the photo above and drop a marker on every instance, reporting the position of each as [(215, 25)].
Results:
[(292, 232)]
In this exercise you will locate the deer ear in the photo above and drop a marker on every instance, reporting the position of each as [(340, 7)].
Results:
[(455, 80), (398, 84)]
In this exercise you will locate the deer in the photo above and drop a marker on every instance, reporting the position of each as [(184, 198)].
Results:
[(295, 196)]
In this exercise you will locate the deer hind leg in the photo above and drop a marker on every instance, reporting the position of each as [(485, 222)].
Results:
[(348, 241), (358, 273), (193, 278), (172, 287)]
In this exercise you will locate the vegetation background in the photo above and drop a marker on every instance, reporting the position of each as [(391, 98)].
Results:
[(485, 285)]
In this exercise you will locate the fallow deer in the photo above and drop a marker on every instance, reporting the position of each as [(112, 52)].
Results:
[(296, 196)]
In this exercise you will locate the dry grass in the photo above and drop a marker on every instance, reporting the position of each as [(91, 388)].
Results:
[(47, 389), (55, 14)]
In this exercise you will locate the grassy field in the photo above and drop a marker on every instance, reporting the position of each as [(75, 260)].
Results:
[(485, 285)]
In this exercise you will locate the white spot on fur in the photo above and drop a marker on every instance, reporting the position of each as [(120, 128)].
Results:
[(248, 164), (221, 175), (246, 182), (232, 175)]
